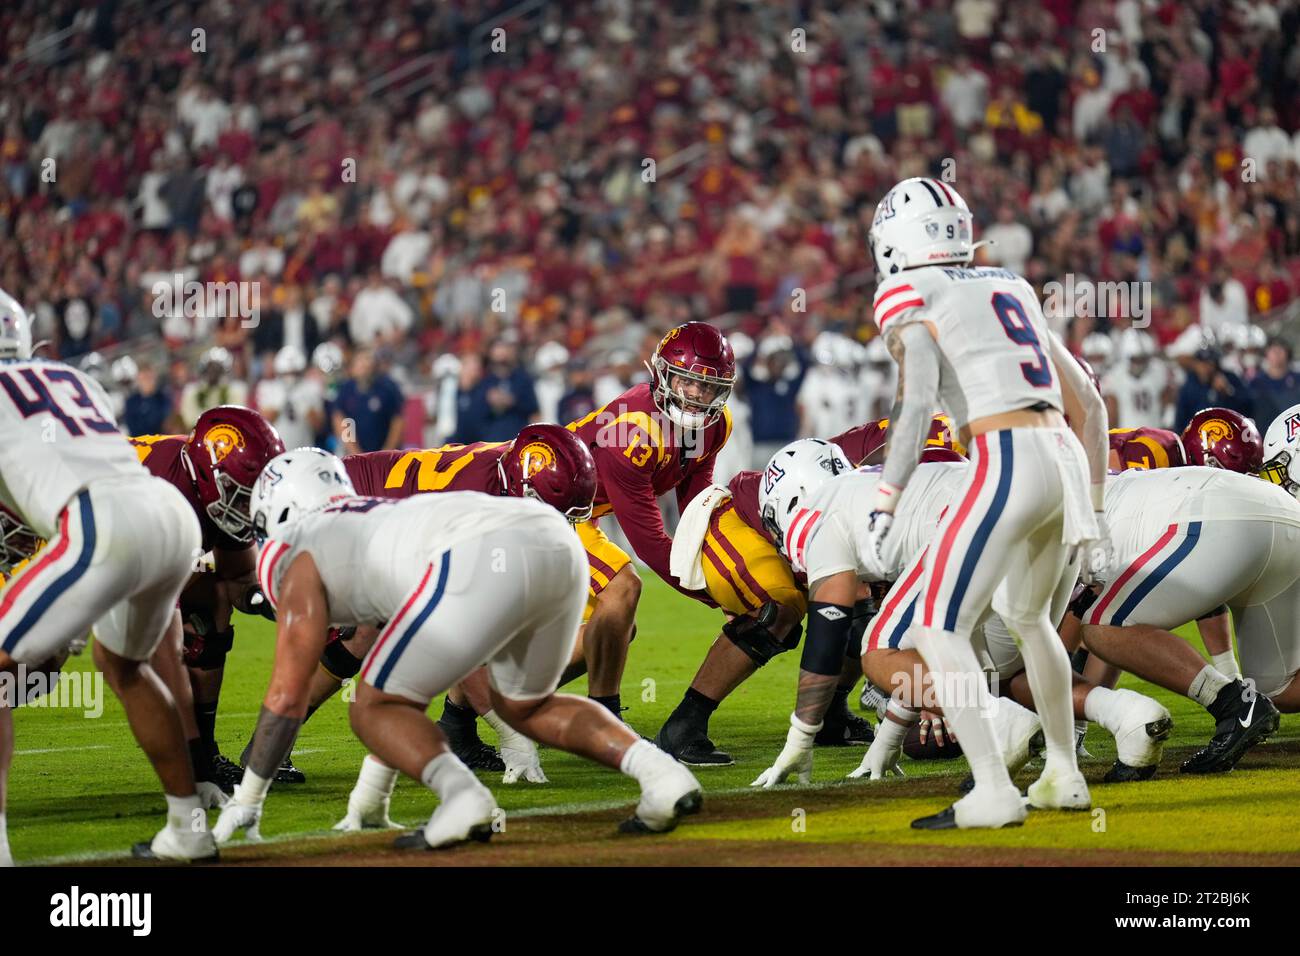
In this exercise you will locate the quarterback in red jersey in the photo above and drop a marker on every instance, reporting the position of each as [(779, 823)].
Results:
[(214, 467)]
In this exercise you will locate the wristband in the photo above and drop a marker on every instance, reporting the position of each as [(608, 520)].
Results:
[(886, 497)]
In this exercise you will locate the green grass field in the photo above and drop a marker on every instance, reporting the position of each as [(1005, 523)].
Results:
[(81, 790)]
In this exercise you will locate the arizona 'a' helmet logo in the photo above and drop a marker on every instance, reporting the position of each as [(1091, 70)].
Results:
[(221, 440), (1292, 427), (1216, 430), (534, 457)]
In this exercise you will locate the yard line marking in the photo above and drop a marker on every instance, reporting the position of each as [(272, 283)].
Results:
[(59, 750)]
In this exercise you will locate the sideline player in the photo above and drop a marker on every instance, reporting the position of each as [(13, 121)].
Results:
[(460, 579), (214, 468), (118, 548), (974, 341)]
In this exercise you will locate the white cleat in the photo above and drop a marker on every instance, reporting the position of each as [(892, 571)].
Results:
[(1139, 737), (466, 815), (982, 808), (1019, 733), (178, 846), (1060, 791), (673, 793)]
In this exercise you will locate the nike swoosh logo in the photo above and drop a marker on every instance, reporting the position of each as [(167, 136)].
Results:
[(1245, 721)]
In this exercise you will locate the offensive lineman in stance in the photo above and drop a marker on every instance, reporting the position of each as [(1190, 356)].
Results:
[(460, 578), (974, 341)]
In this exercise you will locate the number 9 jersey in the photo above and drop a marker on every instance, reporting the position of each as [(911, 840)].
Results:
[(59, 436), (990, 329)]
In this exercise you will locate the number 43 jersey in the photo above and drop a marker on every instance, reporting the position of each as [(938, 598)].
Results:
[(57, 435), (991, 331)]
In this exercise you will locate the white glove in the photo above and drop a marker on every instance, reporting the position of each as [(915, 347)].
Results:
[(517, 752), (361, 817), (880, 760), (210, 795), (796, 757), (1097, 556), (877, 530), (237, 816)]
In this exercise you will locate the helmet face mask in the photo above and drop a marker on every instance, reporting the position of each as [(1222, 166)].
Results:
[(17, 541), (1277, 471), (226, 453), (231, 512)]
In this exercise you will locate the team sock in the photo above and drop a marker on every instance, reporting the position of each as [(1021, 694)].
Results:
[(695, 709), (838, 711), (181, 812), (205, 716), (201, 759), (1226, 664), (446, 775), (643, 761), (1206, 685), (456, 718), (613, 703)]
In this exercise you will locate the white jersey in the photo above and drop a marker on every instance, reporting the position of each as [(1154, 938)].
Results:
[(1139, 399), (59, 437), (830, 538), (293, 403), (367, 549), (832, 401), (991, 332)]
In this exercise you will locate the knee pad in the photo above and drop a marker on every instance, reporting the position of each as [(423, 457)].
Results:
[(338, 661), (752, 633), (207, 652), (828, 638)]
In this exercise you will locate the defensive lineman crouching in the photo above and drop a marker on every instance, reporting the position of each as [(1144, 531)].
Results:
[(461, 578)]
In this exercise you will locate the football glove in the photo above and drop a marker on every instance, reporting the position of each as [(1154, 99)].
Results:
[(796, 757)]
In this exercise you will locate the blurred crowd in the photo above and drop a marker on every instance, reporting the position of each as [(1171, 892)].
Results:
[(460, 216)]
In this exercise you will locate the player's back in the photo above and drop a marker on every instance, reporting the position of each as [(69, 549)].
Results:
[(990, 329), (366, 549), (60, 437), (400, 474), (1145, 448)]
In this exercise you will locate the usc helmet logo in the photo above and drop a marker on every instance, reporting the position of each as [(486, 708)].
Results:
[(1215, 430), (672, 334), (221, 440), (535, 457)]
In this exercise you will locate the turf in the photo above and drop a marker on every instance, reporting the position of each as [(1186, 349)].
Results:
[(80, 789)]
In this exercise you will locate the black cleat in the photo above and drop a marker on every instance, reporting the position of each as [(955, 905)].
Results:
[(943, 820), (1245, 723), (416, 841), (1123, 773), (225, 773), (690, 745), (144, 851), (844, 730), (288, 773), (470, 748)]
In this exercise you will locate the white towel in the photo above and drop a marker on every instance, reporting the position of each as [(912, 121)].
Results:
[(684, 560), (1080, 522)]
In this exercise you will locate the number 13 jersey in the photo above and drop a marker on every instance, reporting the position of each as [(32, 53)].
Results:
[(58, 437), (991, 332)]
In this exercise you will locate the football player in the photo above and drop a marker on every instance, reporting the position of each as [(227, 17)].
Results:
[(460, 579), (541, 462), (214, 468), (118, 548), (745, 572), (656, 437), (1177, 527), (974, 342)]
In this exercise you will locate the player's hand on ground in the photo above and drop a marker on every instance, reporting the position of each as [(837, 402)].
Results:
[(521, 759), (1097, 555), (210, 795), (373, 818), (880, 760), (935, 724), (796, 756), (238, 816)]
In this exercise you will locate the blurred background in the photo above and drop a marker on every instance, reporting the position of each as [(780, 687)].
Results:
[(462, 216)]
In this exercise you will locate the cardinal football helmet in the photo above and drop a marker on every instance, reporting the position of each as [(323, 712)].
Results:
[(227, 450), (550, 463), (692, 374), (1222, 438)]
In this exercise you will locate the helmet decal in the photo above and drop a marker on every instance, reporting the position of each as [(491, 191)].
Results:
[(1214, 430), (534, 457), (1293, 427), (221, 440)]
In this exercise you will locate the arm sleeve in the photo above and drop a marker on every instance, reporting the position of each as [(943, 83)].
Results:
[(1094, 430), (907, 433)]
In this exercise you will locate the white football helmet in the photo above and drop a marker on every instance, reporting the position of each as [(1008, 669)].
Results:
[(1098, 349), (15, 329), (921, 222), (1282, 451), (296, 484), (793, 474), (290, 361), (1136, 345)]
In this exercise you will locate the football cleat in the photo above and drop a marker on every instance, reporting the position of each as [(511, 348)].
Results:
[(1139, 738), (1247, 722), (978, 811), (1059, 791), (672, 794), (178, 846), (844, 730), (467, 745), (690, 746), (874, 700), (225, 773), (466, 815), (288, 773)]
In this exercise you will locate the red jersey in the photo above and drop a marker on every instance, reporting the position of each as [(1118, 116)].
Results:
[(1142, 448), (640, 454), (400, 474), (162, 458)]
